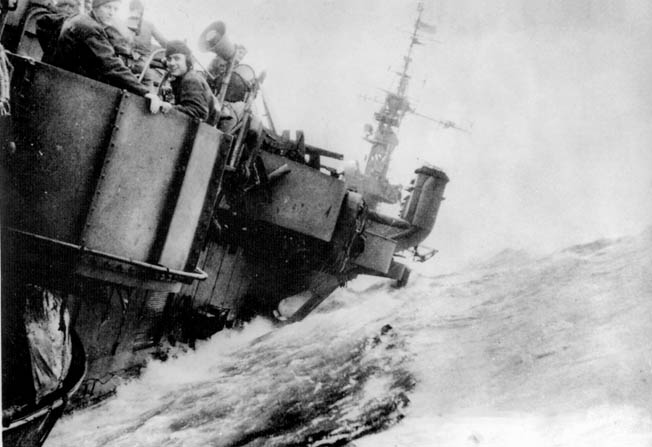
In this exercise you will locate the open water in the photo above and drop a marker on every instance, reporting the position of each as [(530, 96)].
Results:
[(516, 350)]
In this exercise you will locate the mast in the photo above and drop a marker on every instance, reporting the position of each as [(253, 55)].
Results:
[(389, 117), (373, 183), (404, 77)]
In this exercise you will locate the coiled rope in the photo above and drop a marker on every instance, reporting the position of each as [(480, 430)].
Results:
[(5, 78)]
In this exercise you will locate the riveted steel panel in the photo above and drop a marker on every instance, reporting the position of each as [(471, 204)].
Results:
[(138, 182), (62, 124), (196, 184), (378, 252), (305, 200)]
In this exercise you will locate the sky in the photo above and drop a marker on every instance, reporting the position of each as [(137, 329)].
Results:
[(556, 95)]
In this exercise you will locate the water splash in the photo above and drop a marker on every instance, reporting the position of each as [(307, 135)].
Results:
[(515, 350)]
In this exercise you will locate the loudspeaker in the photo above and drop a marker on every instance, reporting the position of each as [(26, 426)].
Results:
[(215, 40)]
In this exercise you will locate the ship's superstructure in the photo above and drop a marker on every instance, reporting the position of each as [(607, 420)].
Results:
[(372, 181)]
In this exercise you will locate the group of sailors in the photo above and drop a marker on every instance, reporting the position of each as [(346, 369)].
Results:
[(97, 45)]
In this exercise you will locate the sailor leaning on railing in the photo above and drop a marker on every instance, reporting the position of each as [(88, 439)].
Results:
[(84, 47)]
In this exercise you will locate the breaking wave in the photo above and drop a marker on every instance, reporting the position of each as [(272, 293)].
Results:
[(515, 350)]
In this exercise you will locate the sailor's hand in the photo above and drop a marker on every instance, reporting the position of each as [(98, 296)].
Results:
[(155, 102), (166, 107)]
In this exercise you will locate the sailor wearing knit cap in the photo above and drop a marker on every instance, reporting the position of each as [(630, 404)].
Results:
[(84, 48), (192, 95)]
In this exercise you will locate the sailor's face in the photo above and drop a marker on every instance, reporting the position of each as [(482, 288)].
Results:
[(136, 11), (106, 12), (68, 8), (177, 64)]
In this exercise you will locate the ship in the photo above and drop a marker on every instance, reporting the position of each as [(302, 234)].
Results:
[(372, 181), (124, 233), (416, 219)]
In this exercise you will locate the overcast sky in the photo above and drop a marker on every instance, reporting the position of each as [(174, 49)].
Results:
[(556, 93)]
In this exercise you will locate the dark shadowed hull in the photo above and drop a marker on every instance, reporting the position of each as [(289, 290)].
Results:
[(30, 425)]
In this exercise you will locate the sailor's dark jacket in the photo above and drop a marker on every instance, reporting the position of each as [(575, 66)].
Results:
[(48, 28), (84, 48), (193, 96)]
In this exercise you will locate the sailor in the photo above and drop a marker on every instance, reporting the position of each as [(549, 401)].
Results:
[(239, 86), (143, 32), (122, 40), (68, 7), (48, 26), (85, 48), (192, 95)]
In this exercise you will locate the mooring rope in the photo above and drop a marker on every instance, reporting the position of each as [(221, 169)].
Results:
[(5, 78)]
